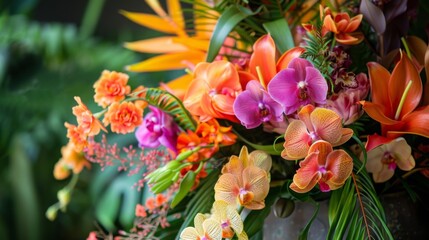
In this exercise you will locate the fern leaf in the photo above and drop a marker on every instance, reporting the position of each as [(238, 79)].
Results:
[(170, 104)]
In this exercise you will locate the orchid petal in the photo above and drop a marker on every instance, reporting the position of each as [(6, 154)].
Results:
[(401, 151), (212, 229), (341, 165), (383, 175), (317, 85), (374, 163), (189, 233), (376, 140), (198, 223), (300, 66), (234, 219), (297, 141), (327, 124), (283, 87), (226, 188), (257, 180), (261, 159), (308, 174)]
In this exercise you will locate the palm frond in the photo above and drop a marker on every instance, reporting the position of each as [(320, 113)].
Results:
[(170, 104), (355, 210)]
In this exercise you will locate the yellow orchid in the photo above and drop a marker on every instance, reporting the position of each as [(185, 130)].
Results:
[(229, 219), (205, 228)]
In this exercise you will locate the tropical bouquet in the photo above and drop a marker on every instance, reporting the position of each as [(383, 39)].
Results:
[(276, 102)]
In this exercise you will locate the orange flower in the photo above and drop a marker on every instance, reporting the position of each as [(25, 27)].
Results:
[(150, 204), (77, 136), (123, 117), (330, 168), (264, 59), (160, 199), (212, 132), (111, 87), (190, 140), (70, 160), (86, 120), (343, 27), (243, 182), (395, 98), (313, 124), (140, 211), (212, 92)]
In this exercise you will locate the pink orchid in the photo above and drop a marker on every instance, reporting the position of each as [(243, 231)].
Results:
[(298, 85)]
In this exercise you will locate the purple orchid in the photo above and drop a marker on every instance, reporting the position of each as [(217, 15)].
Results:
[(255, 106), (298, 85), (158, 128)]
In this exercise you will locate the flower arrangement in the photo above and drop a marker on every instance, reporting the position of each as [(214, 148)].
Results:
[(278, 100)]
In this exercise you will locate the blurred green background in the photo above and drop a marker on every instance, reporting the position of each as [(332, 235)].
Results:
[(51, 51)]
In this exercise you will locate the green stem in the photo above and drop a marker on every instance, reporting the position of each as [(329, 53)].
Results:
[(73, 182), (90, 18)]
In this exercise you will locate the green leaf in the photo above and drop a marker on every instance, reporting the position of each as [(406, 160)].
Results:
[(280, 32), (303, 235), (185, 186), (355, 210), (170, 104), (202, 201), (230, 17)]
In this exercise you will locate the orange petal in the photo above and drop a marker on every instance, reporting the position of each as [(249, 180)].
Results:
[(376, 140), (304, 115), (376, 112), (297, 141), (234, 166), (379, 80), (261, 159), (307, 175), (341, 166), (193, 43), (156, 45), (346, 134), (416, 123), (150, 21), (288, 56), (327, 124), (329, 24), (322, 149), (349, 38), (226, 188), (354, 23), (264, 55), (192, 99), (257, 181), (171, 61), (402, 74), (175, 11), (212, 229), (245, 77)]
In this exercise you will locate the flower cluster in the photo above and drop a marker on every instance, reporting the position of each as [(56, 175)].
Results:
[(296, 104)]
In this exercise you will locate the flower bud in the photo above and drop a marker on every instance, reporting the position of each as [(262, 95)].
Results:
[(64, 197), (283, 208), (51, 213)]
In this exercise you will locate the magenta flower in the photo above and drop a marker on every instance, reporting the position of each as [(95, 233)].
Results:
[(298, 85), (255, 106), (158, 128)]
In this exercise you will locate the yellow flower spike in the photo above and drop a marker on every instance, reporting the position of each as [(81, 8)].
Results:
[(228, 217), (156, 45), (204, 229)]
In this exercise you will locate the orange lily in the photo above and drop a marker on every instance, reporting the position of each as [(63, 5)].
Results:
[(330, 168), (395, 98), (263, 64), (313, 124), (343, 27), (212, 92)]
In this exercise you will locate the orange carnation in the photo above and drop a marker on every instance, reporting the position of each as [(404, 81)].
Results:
[(111, 87), (86, 120), (123, 117)]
